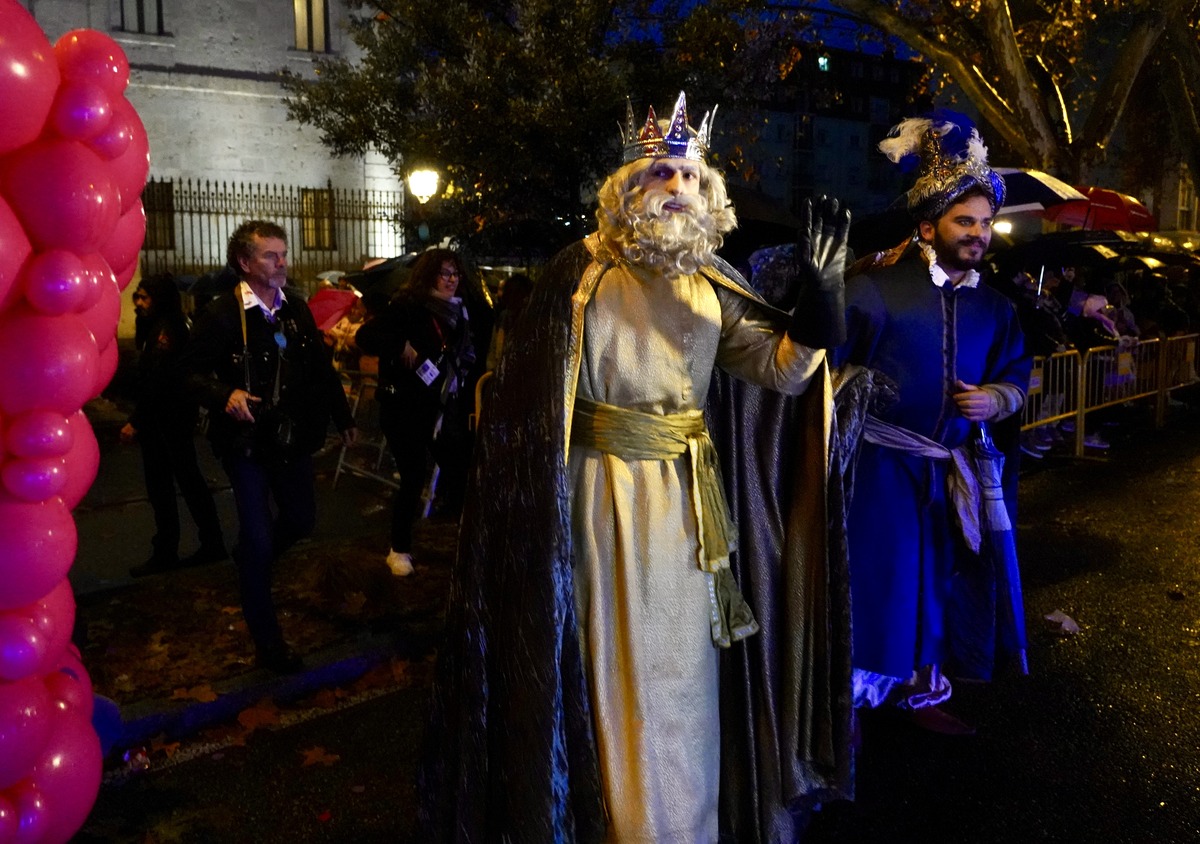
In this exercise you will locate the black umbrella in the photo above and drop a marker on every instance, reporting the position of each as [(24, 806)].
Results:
[(1033, 190)]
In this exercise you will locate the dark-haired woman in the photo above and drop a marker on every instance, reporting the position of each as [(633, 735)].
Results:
[(163, 423), (426, 356)]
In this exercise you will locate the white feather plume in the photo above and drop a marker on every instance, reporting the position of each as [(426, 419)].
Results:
[(905, 138)]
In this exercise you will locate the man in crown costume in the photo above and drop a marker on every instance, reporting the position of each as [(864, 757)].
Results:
[(924, 599), (577, 696)]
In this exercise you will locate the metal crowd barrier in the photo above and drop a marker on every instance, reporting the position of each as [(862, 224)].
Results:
[(368, 457), (1069, 385)]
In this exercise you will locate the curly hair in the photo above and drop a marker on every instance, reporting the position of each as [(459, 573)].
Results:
[(241, 242), (683, 243)]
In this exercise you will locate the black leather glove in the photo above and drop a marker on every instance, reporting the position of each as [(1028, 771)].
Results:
[(819, 320)]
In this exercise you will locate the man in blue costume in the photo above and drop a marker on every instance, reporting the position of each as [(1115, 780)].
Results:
[(577, 696), (923, 602)]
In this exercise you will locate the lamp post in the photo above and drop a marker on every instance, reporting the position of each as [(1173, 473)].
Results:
[(422, 184)]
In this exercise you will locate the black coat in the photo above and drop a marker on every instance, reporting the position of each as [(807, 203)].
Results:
[(310, 391)]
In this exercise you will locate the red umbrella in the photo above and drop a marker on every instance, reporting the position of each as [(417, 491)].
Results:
[(329, 304), (1103, 209)]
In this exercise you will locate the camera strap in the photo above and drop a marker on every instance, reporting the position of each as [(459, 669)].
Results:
[(246, 353)]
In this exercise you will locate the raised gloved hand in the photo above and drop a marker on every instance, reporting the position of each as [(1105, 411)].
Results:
[(819, 320)]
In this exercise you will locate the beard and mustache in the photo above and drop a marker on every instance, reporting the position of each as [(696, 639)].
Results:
[(677, 241)]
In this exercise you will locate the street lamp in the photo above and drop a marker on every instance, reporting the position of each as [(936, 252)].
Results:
[(423, 184)]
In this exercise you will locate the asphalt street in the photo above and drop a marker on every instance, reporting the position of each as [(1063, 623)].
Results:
[(1101, 743)]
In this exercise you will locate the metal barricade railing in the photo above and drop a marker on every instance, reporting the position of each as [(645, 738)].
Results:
[(1069, 385), (366, 458)]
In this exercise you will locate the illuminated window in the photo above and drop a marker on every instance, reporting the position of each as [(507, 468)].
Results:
[(823, 63), (312, 25), (316, 219), (144, 16)]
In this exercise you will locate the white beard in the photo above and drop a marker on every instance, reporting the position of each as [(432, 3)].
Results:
[(677, 242)]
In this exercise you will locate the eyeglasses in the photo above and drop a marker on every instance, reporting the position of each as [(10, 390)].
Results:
[(449, 274)]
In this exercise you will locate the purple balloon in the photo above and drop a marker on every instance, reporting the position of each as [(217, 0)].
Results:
[(23, 647), (34, 478)]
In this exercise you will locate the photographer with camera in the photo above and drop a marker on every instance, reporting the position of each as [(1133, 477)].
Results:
[(258, 363)]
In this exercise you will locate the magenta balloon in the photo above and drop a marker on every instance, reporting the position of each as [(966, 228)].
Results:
[(14, 250), (28, 77), (106, 368), (49, 362), (122, 247), (114, 139), (23, 647), (70, 688), (81, 110), (99, 272), (89, 55), (130, 168), (83, 460), (34, 478), (68, 774), (38, 433), (54, 617), (26, 709), (55, 282), (101, 319), (33, 814), (10, 820), (37, 544), (126, 275), (63, 194)]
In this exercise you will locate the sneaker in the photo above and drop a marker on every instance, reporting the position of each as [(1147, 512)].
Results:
[(1095, 441), (1042, 440), (400, 563), (1029, 448)]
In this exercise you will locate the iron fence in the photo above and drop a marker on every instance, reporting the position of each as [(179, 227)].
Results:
[(188, 224)]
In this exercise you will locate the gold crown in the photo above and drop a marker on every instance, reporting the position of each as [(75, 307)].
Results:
[(679, 141)]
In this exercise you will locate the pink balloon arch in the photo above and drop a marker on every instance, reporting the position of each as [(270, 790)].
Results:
[(73, 161)]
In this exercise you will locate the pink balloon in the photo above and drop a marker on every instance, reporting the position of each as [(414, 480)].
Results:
[(130, 168), (68, 774), (70, 689), (28, 77), (101, 319), (25, 720), (10, 819), (122, 247), (34, 478), (106, 368), (23, 647), (126, 275), (14, 249), (38, 433), (99, 272), (56, 282), (34, 639), (63, 194), (81, 110), (86, 54), (49, 362), (112, 141), (37, 544), (83, 460), (33, 815)]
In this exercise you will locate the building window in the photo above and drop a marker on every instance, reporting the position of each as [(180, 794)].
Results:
[(804, 133), (823, 63), (316, 219), (158, 200), (142, 16), (312, 25)]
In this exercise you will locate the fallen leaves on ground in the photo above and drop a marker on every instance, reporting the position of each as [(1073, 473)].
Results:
[(319, 756), (263, 714), (203, 693)]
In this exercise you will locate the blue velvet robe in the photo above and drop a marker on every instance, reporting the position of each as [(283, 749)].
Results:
[(911, 573)]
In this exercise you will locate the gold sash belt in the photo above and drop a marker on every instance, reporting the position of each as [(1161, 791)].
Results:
[(634, 435)]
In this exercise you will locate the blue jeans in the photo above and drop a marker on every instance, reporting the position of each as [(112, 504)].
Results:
[(264, 535)]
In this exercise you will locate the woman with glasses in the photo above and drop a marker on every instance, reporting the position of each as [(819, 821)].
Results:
[(426, 354)]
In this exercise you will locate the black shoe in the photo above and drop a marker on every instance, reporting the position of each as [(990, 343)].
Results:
[(280, 659), (203, 557), (154, 565)]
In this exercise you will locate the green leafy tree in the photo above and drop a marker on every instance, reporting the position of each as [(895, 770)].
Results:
[(516, 102)]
